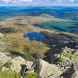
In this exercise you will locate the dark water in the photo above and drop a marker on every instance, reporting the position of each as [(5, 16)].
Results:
[(67, 13)]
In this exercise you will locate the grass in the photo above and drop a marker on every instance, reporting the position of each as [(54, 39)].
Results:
[(15, 75), (31, 75), (19, 45), (9, 75)]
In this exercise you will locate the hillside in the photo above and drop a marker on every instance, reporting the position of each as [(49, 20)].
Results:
[(58, 50)]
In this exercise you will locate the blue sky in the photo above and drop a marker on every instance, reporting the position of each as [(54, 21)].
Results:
[(40, 2)]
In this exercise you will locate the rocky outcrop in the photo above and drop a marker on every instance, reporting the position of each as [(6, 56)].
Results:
[(16, 63), (49, 70)]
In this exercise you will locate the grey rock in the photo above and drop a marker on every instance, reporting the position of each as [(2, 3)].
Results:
[(49, 70)]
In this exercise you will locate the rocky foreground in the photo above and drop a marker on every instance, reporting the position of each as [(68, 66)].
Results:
[(54, 58)]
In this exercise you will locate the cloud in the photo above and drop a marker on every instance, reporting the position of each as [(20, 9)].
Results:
[(14, 1), (40, 2)]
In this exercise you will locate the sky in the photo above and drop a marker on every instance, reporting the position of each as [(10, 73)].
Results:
[(40, 2)]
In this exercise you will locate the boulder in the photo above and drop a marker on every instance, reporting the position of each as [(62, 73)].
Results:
[(49, 70), (16, 64)]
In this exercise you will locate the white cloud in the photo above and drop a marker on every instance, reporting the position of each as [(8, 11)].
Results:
[(17, 1), (40, 2), (24, 0)]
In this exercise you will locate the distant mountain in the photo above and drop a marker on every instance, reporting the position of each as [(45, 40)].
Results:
[(58, 12)]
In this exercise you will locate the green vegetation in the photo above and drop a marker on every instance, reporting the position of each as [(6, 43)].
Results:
[(65, 56), (15, 75), (9, 75), (20, 46), (16, 44), (69, 56), (31, 75)]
